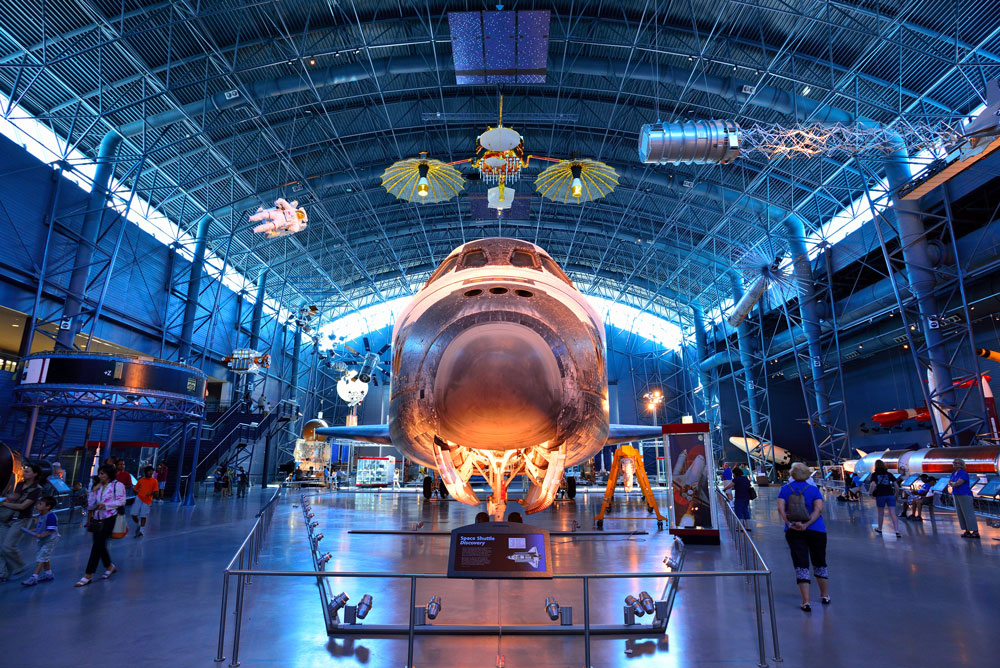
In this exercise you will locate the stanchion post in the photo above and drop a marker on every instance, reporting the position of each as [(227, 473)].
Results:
[(237, 627), (761, 650), (586, 622), (774, 624), (219, 658), (413, 604)]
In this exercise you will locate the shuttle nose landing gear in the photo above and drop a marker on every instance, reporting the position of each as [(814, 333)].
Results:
[(494, 467)]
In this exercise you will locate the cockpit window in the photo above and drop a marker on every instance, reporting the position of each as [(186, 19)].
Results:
[(553, 268), (445, 267), (474, 258), (522, 258)]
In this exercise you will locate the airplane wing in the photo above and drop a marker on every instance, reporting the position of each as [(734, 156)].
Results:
[(626, 433), (372, 433)]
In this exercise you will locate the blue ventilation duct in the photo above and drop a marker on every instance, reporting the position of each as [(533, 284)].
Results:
[(89, 231), (194, 289)]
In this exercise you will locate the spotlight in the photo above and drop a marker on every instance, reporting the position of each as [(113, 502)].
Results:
[(434, 607), (312, 525), (551, 608), (325, 558), (338, 603), (316, 539), (633, 602), (365, 606), (646, 601)]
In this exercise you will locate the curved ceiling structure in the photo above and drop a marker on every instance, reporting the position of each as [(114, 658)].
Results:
[(227, 104)]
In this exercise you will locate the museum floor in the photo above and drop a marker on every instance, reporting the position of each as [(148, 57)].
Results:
[(929, 598)]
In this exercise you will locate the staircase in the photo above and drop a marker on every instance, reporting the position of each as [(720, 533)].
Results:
[(231, 429)]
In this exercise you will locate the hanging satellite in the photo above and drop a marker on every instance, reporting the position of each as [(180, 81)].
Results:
[(576, 181), (422, 180), (352, 390), (499, 159), (286, 218)]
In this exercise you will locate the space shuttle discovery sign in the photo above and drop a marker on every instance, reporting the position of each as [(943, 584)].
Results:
[(500, 550)]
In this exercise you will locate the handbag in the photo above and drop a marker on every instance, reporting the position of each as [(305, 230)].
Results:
[(121, 527), (753, 493)]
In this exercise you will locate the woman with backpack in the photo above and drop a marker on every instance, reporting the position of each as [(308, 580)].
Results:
[(884, 486), (800, 506)]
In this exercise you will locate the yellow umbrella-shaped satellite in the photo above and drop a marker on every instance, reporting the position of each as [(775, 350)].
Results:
[(576, 181), (423, 180)]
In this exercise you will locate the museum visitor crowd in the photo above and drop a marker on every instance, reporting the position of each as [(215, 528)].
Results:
[(27, 514)]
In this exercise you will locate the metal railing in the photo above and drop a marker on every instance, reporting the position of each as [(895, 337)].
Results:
[(753, 570), (245, 558)]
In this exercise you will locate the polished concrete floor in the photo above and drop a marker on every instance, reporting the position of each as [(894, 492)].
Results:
[(926, 599)]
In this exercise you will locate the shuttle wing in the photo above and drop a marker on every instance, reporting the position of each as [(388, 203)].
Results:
[(372, 433), (626, 433)]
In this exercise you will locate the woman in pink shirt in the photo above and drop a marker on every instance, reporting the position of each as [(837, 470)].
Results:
[(107, 496)]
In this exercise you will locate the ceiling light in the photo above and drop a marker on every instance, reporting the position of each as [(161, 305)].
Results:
[(312, 61), (806, 90)]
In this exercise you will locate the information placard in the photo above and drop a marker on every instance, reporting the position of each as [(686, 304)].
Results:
[(500, 550)]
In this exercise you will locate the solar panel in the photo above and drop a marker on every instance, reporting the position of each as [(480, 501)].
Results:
[(499, 47)]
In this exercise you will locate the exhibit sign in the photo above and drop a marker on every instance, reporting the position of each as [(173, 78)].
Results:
[(500, 550), (693, 513)]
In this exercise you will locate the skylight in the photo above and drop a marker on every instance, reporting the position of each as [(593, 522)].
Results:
[(652, 327), (37, 139)]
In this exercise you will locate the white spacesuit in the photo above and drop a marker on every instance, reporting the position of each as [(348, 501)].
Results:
[(284, 219)]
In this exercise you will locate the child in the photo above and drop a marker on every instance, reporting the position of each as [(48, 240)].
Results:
[(144, 490), (47, 532)]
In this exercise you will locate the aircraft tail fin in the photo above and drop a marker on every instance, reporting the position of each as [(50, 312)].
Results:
[(861, 454)]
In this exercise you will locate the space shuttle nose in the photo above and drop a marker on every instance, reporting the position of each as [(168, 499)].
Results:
[(498, 387)]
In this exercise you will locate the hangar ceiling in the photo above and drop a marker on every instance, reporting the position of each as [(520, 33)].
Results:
[(311, 100)]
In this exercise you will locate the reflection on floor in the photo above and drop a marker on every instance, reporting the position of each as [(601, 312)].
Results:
[(928, 598)]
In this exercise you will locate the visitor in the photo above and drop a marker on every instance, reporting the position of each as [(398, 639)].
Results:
[(854, 493), (727, 478), (741, 487), (57, 471), (800, 507), (227, 481), (515, 518), (123, 476), (395, 478), (107, 496), (20, 505), (260, 404), (482, 517), (46, 532), (242, 483), (161, 481), (78, 498), (883, 486), (961, 490), (912, 500), (145, 488)]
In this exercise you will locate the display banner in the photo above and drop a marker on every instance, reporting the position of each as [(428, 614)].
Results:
[(693, 512), (500, 550)]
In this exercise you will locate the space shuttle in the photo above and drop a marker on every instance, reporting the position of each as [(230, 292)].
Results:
[(498, 370)]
